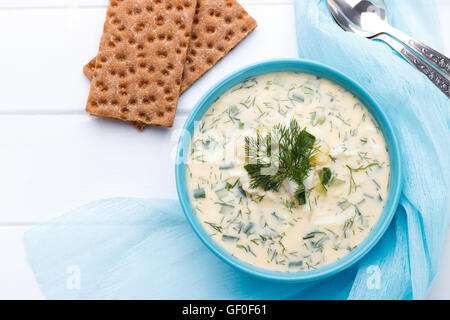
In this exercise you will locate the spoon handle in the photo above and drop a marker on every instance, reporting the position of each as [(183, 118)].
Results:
[(437, 59), (439, 80)]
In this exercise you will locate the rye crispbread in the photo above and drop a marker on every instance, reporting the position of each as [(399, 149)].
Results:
[(218, 26), (138, 69)]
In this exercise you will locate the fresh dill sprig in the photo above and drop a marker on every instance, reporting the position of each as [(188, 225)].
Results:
[(284, 153)]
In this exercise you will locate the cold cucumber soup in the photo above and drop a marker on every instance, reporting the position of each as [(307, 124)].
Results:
[(288, 172)]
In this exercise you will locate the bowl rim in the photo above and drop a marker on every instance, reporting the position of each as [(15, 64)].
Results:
[(301, 66)]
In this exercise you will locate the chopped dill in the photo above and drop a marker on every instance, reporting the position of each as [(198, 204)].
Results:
[(284, 153), (214, 226)]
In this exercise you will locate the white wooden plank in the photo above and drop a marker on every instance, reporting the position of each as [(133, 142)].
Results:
[(51, 164), (42, 56), (16, 278), (44, 63), (444, 13), (33, 4), (440, 290)]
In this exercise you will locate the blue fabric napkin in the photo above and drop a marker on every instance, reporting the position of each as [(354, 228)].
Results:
[(144, 248)]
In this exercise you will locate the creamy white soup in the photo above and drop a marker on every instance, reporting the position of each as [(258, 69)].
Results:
[(309, 201)]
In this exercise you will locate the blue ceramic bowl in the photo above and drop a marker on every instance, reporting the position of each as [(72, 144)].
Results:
[(320, 70)]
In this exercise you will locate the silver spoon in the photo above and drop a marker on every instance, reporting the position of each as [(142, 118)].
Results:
[(368, 19)]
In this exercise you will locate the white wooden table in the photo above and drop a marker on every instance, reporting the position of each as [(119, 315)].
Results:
[(55, 157)]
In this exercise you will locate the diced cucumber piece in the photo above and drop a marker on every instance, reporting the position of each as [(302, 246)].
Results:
[(199, 193)]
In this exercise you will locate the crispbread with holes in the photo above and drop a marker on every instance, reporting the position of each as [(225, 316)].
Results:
[(139, 67), (219, 25), (89, 68)]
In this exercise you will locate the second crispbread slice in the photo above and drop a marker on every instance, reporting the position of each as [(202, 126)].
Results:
[(219, 25), (89, 68), (138, 69)]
